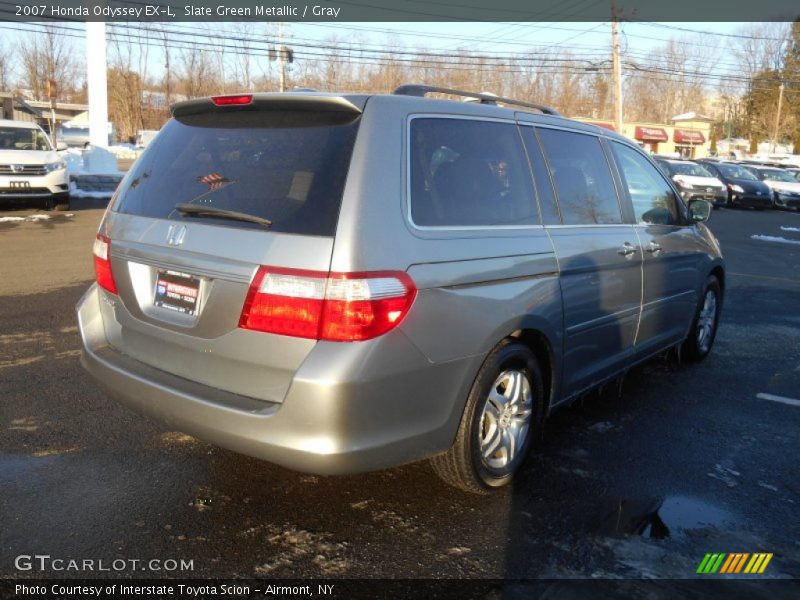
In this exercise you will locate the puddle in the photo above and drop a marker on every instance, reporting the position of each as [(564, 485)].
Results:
[(658, 519)]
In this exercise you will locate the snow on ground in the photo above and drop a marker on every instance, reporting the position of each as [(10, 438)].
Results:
[(771, 238), (75, 192), (31, 218)]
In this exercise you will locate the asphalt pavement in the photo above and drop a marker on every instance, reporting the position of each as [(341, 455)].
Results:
[(689, 459)]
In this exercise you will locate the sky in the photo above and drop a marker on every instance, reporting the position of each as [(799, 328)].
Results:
[(498, 38)]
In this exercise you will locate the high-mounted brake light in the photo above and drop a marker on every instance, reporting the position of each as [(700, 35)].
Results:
[(232, 100), (102, 263), (344, 307)]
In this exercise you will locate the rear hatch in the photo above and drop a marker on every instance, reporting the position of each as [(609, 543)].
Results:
[(277, 165)]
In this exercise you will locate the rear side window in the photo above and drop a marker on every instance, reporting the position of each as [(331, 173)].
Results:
[(288, 167), (584, 187), (469, 173)]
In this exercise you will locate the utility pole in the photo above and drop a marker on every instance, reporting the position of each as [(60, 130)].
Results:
[(96, 80), (617, 70), (777, 119), (281, 58)]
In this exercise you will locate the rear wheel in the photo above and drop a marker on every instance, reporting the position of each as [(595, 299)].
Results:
[(704, 327), (503, 415)]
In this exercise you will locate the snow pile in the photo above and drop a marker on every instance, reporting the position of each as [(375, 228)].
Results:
[(74, 159), (125, 151), (98, 160), (770, 238)]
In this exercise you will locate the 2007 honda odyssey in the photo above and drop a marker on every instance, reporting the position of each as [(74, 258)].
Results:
[(339, 283)]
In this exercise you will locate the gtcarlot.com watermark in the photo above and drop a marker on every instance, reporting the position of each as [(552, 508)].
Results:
[(47, 563)]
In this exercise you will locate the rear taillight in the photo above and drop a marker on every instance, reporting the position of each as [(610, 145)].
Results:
[(236, 100), (344, 307), (102, 263)]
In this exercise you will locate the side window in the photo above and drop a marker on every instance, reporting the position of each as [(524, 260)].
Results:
[(469, 173), (653, 200), (541, 178), (585, 190)]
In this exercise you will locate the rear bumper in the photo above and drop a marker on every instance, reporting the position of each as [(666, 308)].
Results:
[(333, 420)]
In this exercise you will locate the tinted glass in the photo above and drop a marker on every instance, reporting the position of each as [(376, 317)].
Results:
[(775, 175), (690, 169), (23, 138), (652, 198), (585, 190), (469, 173), (541, 178), (288, 167), (736, 172)]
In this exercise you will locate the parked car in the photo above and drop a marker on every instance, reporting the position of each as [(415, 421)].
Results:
[(30, 169), (785, 188), (694, 181), (795, 172), (420, 278), (78, 137), (744, 188)]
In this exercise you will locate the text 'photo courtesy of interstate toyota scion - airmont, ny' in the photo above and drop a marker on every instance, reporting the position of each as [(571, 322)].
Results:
[(372, 299)]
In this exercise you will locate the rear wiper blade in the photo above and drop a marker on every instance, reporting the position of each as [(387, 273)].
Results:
[(211, 211)]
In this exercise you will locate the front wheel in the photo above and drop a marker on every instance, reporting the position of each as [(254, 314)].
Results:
[(503, 415), (704, 326), (58, 202)]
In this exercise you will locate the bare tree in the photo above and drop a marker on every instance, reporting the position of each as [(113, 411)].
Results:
[(5, 68), (48, 56)]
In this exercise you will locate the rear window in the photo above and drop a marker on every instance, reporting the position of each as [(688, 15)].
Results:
[(285, 166)]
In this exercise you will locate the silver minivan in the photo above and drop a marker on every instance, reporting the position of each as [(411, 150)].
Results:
[(341, 283)]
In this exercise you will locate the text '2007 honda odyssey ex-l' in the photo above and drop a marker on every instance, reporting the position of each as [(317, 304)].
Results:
[(340, 283)]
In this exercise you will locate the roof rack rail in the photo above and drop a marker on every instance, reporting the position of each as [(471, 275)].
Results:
[(419, 90)]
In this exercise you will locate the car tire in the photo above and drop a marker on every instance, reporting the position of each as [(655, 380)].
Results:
[(703, 332), (502, 418), (59, 203)]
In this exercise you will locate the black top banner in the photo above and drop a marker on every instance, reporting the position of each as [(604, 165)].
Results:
[(398, 10)]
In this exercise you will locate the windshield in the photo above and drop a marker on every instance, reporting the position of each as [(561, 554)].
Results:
[(283, 166), (23, 138), (778, 175), (736, 172), (689, 169)]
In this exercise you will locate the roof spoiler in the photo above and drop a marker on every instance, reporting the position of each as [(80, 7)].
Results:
[(304, 101)]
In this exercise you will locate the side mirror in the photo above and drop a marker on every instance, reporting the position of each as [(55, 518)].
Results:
[(699, 210), (61, 146)]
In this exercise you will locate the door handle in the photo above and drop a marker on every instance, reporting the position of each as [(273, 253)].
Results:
[(627, 249), (653, 248)]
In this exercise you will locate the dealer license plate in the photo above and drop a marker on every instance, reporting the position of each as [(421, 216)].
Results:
[(177, 291)]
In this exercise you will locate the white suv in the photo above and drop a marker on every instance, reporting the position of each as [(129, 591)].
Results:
[(30, 169)]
